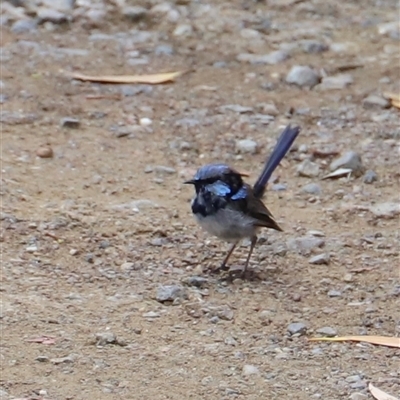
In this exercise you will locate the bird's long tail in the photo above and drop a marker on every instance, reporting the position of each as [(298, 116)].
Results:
[(282, 146)]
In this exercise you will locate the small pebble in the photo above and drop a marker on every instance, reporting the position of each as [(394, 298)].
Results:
[(145, 121), (370, 177), (308, 169), (327, 331), (298, 328), (246, 146), (44, 152), (170, 293), (374, 101), (358, 396), (250, 370), (334, 293), (72, 123), (320, 259), (312, 188), (302, 76)]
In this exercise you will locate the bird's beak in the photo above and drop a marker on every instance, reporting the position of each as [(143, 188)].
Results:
[(191, 182)]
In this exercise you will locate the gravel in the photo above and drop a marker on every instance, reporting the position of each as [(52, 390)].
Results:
[(302, 76)]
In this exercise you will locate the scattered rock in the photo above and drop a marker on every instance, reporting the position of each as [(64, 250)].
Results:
[(305, 244), (197, 281), (335, 82), (358, 396), (183, 30), (105, 338), (312, 188), (313, 46), (72, 123), (134, 13), (44, 152), (302, 76), (160, 169), (388, 28), (308, 169), (320, 259), (42, 359), (246, 146), (151, 315), (276, 57), (374, 101), (51, 15), (327, 331), (297, 328), (63, 360), (24, 25), (370, 177), (170, 293), (350, 160), (385, 210), (250, 370), (335, 293)]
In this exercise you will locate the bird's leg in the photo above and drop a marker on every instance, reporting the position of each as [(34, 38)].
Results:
[(223, 267), (253, 243)]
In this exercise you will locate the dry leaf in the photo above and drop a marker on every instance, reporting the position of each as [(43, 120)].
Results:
[(392, 96), (380, 394), (153, 79), (380, 340), (339, 173), (396, 103)]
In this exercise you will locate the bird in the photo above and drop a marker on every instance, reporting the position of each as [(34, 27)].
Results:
[(230, 209)]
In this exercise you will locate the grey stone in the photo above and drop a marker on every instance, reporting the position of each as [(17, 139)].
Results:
[(134, 13), (313, 46), (370, 177), (351, 160), (246, 146), (164, 50), (72, 123), (237, 108), (151, 315), (3, 393), (275, 57), (312, 188), (302, 76), (361, 384), (42, 359), (183, 30), (320, 259), (327, 331), (386, 210), (278, 187), (51, 15), (60, 5), (164, 170), (353, 378), (335, 293), (375, 101), (344, 47), (24, 25), (170, 293), (308, 169), (335, 82), (197, 281), (297, 328), (250, 370), (358, 396), (388, 28), (304, 244)]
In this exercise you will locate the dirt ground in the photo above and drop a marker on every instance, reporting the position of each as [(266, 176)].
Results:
[(89, 235)]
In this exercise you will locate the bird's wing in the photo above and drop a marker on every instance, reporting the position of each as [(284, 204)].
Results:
[(258, 210), (245, 201)]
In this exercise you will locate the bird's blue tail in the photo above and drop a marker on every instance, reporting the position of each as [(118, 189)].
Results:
[(285, 141)]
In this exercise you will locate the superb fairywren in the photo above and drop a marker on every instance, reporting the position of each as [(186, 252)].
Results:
[(229, 208)]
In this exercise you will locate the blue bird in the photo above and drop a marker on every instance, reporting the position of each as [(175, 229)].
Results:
[(227, 207)]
